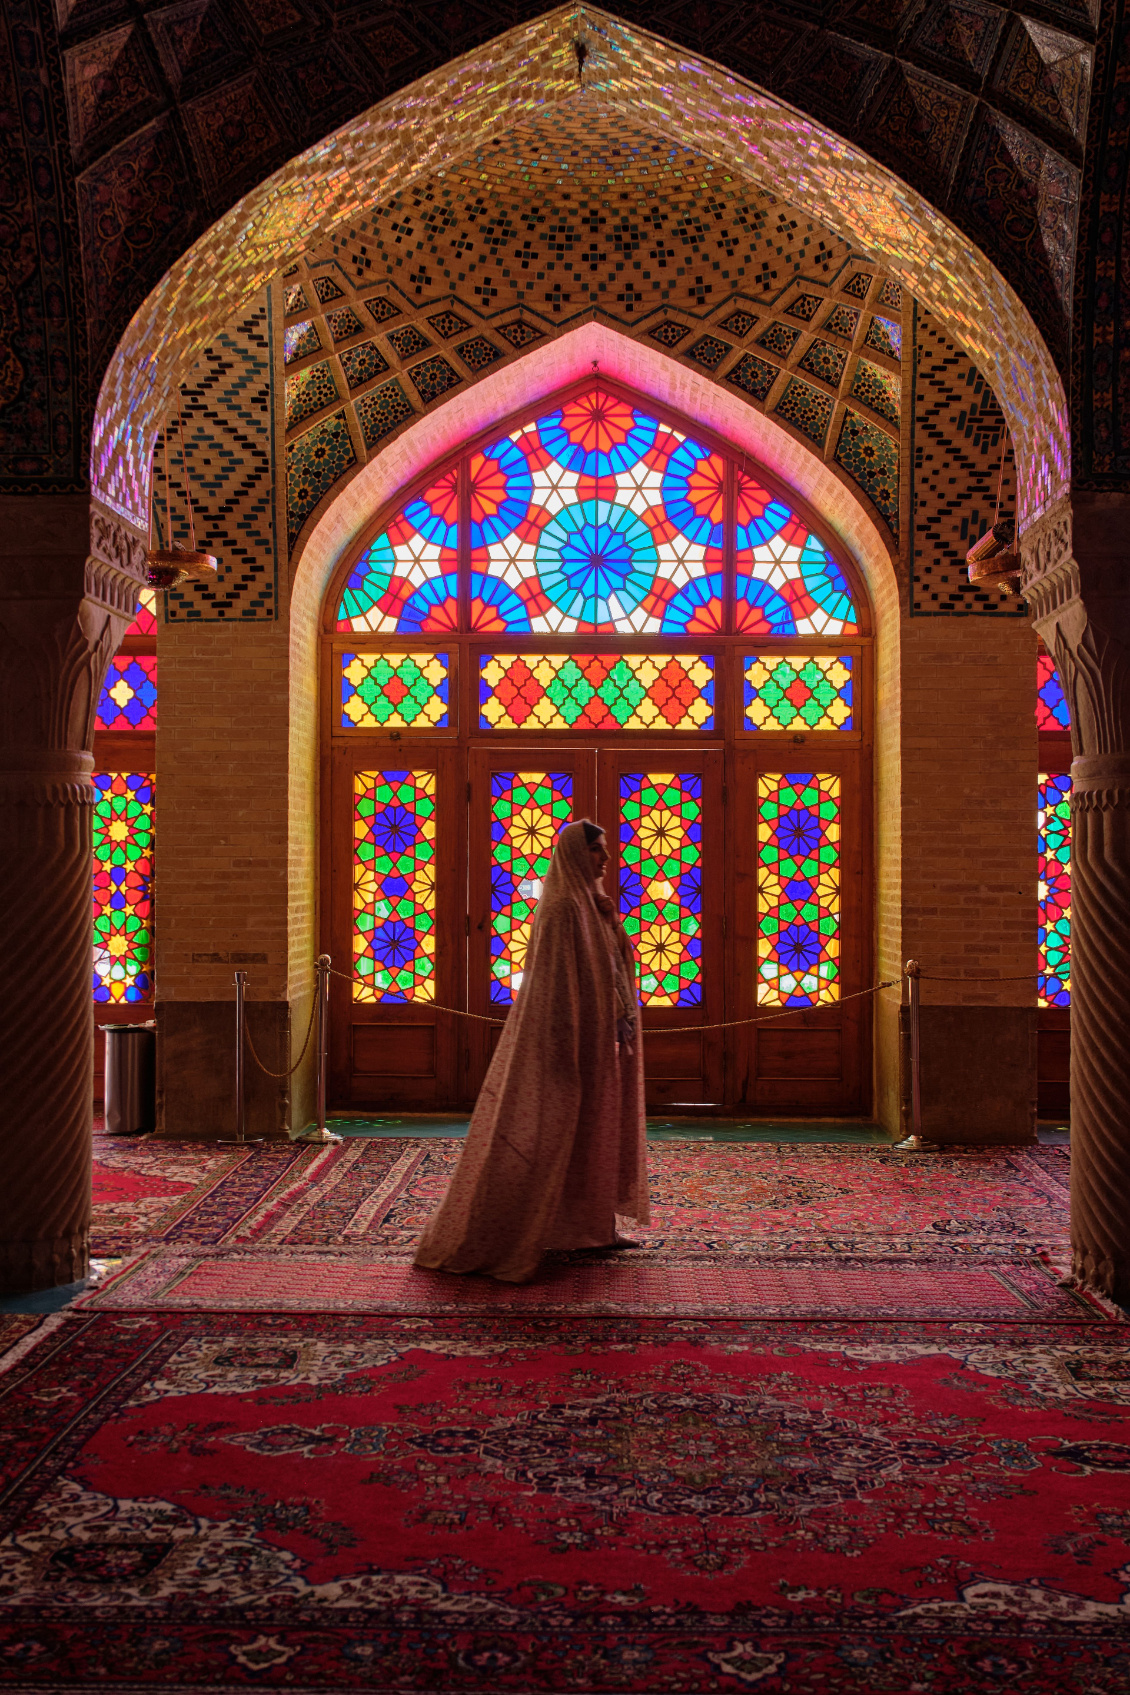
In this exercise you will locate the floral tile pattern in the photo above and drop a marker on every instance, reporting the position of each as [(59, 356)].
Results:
[(824, 361), (310, 391), (752, 375), (879, 389), (434, 377)]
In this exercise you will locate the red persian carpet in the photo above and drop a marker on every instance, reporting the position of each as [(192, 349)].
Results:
[(706, 1197), (737, 1231), (481, 1506)]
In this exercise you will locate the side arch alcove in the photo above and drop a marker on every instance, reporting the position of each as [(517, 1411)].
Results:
[(469, 767)]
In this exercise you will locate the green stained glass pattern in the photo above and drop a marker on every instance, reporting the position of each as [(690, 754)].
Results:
[(1053, 839), (123, 886), (528, 811), (783, 692), (394, 907), (661, 883), (798, 889), (394, 691)]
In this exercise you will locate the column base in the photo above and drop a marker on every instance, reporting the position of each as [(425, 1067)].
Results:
[(51, 1263)]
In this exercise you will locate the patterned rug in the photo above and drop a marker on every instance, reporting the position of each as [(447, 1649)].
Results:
[(706, 1197), (506, 1506), (651, 1283)]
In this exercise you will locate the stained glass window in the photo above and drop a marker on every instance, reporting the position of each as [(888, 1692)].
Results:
[(394, 835), (786, 692), (1053, 822), (596, 517), (528, 810), (786, 581), (129, 694), (661, 883), (408, 578), (145, 618), (123, 886), (394, 691), (1051, 704), (596, 691), (798, 888)]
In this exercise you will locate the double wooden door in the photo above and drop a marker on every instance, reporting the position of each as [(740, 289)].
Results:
[(741, 882)]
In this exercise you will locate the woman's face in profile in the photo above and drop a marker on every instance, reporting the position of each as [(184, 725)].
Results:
[(600, 856)]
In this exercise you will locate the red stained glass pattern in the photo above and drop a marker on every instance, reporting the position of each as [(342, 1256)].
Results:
[(145, 618), (407, 580), (596, 691), (786, 581), (596, 517), (123, 887), (1052, 712)]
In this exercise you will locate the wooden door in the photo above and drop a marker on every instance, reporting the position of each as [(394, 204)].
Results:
[(398, 852), (799, 843), (519, 798), (663, 815)]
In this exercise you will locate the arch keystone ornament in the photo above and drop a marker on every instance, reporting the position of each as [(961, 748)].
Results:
[(1075, 587)]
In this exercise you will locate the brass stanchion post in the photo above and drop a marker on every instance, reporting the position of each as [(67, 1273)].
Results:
[(319, 1132), (914, 1144)]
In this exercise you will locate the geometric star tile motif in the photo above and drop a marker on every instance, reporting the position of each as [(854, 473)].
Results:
[(806, 409), (879, 389), (314, 462), (871, 456)]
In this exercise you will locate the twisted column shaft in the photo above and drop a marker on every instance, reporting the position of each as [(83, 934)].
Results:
[(1100, 1023)]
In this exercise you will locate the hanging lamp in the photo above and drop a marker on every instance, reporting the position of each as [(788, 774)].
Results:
[(166, 567), (993, 562)]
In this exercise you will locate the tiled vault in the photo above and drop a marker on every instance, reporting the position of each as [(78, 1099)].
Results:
[(562, 221)]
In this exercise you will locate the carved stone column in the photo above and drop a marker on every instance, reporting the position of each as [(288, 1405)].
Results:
[(1080, 599), (63, 612)]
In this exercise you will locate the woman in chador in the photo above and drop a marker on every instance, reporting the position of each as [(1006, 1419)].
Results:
[(555, 1148)]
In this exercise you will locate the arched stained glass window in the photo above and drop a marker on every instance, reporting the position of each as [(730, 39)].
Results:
[(408, 578), (786, 582), (597, 518)]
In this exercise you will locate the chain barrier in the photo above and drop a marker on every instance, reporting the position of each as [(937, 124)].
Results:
[(319, 1012), (278, 1075)]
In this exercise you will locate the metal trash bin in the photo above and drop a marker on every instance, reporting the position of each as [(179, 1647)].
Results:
[(131, 1079)]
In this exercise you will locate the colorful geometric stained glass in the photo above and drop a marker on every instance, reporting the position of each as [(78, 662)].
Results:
[(798, 889), (596, 691), (123, 886), (1053, 823), (407, 579), (661, 883), (129, 694), (394, 897), (779, 689), (527, 812), (145, 618), (1052, 712), (787, 583), (596, 517), (389, 691)]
